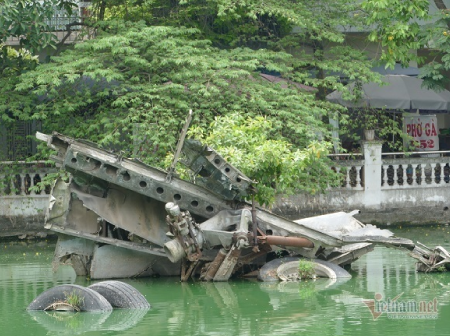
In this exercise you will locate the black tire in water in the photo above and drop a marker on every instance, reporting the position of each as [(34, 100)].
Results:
[(120, 294), (90, 300)]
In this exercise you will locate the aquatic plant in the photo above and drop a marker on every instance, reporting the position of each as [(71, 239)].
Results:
[(74, 299), (306, 269)]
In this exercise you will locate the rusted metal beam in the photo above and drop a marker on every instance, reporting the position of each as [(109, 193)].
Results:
[(227, 266), (215, 264), (179, 147)]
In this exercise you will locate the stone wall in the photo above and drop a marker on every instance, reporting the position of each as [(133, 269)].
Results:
[(405, 211)]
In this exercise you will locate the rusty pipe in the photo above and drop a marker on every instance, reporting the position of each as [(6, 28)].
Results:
[(287, 241)]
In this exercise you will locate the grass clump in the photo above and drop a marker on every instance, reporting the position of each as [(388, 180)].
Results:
[(74, 299), (306, 269)]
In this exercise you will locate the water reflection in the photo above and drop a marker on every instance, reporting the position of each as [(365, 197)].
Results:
[(26, 272), (322, 307), (244, 308), (68, 323)]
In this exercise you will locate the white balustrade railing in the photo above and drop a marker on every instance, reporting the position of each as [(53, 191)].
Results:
[(404, 174), (351, 169), (429, 170), (19, 178), (398, 170)]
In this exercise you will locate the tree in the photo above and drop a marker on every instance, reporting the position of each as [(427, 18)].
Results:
[(395, 27), (152, 61), (136, 74), (400, 35), (434, 38), (138, 83), (313, 32), (275, 165), (13, 62), (29, 21)]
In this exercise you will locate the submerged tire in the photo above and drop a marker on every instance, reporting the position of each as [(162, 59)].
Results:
[(268, 271), (90, 300), (272, 270), (338, 271), (120, 294), (322, 269)]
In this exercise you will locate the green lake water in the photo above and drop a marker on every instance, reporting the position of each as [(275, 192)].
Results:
[(322, 307)]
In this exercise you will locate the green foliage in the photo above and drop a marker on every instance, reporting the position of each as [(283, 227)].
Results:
[(387, 126), (74, 299), (28, 21), (395, 27), (49, 179), (9, 178), (435, 38), (273, 162), (403, 27), (306, 269), (312, 31), (130, 87), (14, 62), (151, 76), (233, 23)]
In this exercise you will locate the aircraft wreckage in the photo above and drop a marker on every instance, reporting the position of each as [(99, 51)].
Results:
[(117, 217)]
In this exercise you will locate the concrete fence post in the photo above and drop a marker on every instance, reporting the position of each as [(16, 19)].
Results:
[(372, 173)]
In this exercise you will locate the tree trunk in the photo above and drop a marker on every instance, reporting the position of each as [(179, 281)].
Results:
[(440, 4)]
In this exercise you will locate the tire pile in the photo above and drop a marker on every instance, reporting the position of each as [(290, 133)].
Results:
[(100, 297)]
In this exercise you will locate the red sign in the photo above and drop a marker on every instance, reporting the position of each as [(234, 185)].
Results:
[(424, 130)]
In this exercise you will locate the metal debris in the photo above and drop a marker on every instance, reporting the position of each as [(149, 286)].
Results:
[(118, 217)]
